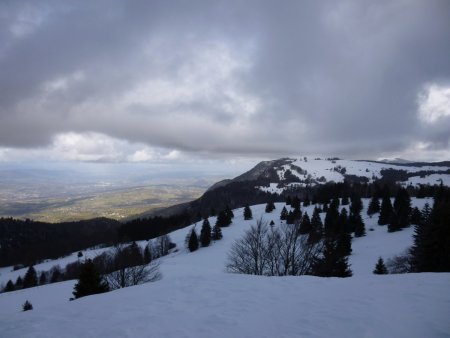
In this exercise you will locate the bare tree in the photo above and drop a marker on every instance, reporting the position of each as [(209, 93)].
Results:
[(275, 252), (127, 267)]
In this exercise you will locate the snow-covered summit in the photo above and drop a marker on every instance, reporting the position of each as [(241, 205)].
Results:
[(302, 172)]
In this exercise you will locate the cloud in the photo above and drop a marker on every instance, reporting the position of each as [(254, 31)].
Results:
[(138, 81)]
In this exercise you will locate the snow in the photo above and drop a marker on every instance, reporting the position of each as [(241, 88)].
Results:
[(321, 167), (197, 298)]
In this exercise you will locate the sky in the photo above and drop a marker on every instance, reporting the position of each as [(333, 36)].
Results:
[(223, 82)]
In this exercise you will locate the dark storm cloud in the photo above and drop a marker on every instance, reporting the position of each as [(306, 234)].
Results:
[(253, 77)]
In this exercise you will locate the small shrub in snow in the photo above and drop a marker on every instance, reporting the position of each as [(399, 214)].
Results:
[(27, 306)]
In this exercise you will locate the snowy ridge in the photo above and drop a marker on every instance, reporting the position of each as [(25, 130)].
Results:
[(311, 172), (197, 298)]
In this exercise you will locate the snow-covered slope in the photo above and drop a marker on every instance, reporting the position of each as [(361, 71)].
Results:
[(197, 298), (302, 172)]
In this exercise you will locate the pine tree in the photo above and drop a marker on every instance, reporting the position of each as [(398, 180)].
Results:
[(223, 219), (305, 224), (331, 220), (270, 206), (385, 211), (316, 227), (295, 203), (247, 213), (216, 233), (193, 241), (205, 233), (229, 212), (416, 216), (345, 200), (148, 253), (402, 206), (394, 224), (356, 206), (90, 282), (288, 200), (9, 286), (380, 268), (43, 278), (332, 263), (374, 206), (306, 201), (360, 229), (19, 283), (30, 278), (284, 214)]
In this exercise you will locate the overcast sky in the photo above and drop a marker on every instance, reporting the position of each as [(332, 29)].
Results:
[(179, 81)]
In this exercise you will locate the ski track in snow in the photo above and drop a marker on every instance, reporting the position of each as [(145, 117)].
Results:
[(197, 298)]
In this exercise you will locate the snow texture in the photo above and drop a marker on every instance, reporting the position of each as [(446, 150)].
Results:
[(197, 298)]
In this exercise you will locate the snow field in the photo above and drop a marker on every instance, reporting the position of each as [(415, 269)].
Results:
[(197, 298)]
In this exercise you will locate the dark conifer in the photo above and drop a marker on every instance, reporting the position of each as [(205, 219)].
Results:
[(216, 233), (394, 224), (305, 224), (19, 283), (356, 206), (358, 223), (284, 214), (332, 263), (345, 200), (90, 282), (205, 233), (229, 212), (27, 306), (374, 206), (306, 201), (270, 206), (380, 268), (43, 278), (288, 200), (316, 227), (9, 286), (30, 278), (193, 241), (416, 216), (247, 213), (385, 211)]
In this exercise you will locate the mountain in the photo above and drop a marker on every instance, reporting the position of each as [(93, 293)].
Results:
[(273, 180)]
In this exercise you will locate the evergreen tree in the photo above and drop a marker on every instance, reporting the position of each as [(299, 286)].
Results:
[(416, 216), (316, 227), (343, 224), (332, 263), (270, 206), (19, 283), (306, 201), (295, 203), (288, 200), (402, 207), (193, 241), (56, 275), (305, 224), (27, 306), (30, 278), (345, 200), (284, 214), (205, 233), (385, 211), (9, 286), (394, 224), (380, 268), (374, 206), (223, 219), (358, 223), (43, 278), (229, 213), (90, 282), (356, 206), (216, 233), (148, 253), (331, 220), (247, 212)]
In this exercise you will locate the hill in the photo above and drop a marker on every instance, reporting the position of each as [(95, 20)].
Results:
[(197, 298)]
